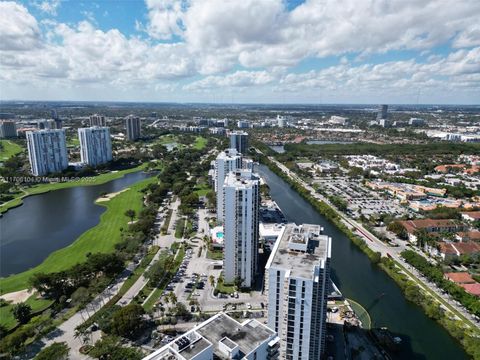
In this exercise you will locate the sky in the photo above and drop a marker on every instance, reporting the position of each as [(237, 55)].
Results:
[(242, 51)]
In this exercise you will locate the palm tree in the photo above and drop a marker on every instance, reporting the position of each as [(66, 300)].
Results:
[(211, 278)]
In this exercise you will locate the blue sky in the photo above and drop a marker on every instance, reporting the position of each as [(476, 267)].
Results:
[(332, 51)]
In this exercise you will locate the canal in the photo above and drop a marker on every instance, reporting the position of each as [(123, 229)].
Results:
[(365, 283), (51, 221)]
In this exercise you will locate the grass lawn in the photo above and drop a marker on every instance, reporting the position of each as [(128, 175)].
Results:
[(101, 238), (37, 305), (202, 190), (225, 288), (200, 143), (9, 148), (215, 254), (42, 188), (167, 139)]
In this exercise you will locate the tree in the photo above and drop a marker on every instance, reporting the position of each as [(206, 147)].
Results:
[(173, 297), (56, 351), (80, 296), (398, 229), (110, 347), (376, 257), (131, 214), (211, 278), (22, 312), (128, 321)]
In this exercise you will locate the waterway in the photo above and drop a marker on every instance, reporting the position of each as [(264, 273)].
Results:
[(51, 221), (365, 283)]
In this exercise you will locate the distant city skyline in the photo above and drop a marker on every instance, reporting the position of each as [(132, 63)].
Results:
[(275, 51)]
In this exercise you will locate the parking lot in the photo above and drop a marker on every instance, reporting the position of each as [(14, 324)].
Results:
[(360, 199)]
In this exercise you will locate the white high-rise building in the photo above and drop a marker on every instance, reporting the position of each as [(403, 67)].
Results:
[(47, 151), (297, 278), (228, 160), (97, 120), (7, 129), (95, 145), (222, 337), (133, 127), (239, 141), (280, 121), (241, 211)]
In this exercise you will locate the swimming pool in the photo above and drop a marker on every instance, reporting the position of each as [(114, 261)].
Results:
[(220, 235)]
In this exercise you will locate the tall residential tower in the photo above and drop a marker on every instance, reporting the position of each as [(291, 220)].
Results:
[(133, 127), (47, 151), (95, 145), (97, 120), (241, 211), (297, 277), (226, 161), (7, 129), (239, 141)]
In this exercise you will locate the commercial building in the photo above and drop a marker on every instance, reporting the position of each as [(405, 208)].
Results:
[(338, 120), (7, 129), (281, 121), (416, 122), (239, 141), (222, 337), (95, 145), (45, 124), (226, 161), (241, 214), (243, 124), (133, 127), (297, 282), (97, 120), (47, 151)]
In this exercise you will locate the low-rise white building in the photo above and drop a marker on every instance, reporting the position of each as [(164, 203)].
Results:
[(222, 337)]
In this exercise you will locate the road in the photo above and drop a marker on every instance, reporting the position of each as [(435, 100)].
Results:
[(377, 245)]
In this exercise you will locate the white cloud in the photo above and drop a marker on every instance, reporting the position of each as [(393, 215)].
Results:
[(469, 37), (18, 29), (48, 6), (460, 69), (216, 37), (237, 79), (165, 18), (263, 33)]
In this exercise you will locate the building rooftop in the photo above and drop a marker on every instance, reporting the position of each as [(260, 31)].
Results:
[(413, 225), (299, 249), (460, 277), (229, 154), (247, 335), (472, 214), (241, 179), (217, 334), (473, 289)]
